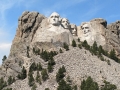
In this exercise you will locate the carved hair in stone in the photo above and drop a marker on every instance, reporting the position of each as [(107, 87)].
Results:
[(65, 23), (54, 19)]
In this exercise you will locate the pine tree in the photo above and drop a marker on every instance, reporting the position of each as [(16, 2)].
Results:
[(60, 50), (44, 74), (2, 83), (94, 48), (51, 62), (50, 68), (78, 40), (80, 46), (39, 67), (60, 75), (64, 86), (7, 89), (65, 46), (108, 86), (47, 89), (101, 51), (63, 69), (38, 78), (85, 44), (74, 43), (10, 80), (89, 84), (30, 79), (20, 63), (28, 52), (23, 74), (33, 67), (34, 87), (44, 55), (83, 84), (34, 50), (69, 80), (113, 55), (75, 87), (4, 58)]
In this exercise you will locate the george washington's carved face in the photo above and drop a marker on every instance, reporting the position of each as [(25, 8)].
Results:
[(54, 19), (65, 23)]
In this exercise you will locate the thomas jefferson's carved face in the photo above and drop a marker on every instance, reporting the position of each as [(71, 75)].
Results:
[(54, 19), (85, 29), (65, 23)]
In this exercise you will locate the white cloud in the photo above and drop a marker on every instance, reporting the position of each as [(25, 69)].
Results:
[(4, 46), (57, 6)]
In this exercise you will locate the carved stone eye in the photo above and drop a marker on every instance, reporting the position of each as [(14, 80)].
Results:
[(56, 16), (51, 16), (86, 27)]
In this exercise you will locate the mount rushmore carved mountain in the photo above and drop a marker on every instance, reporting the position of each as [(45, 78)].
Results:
[(40, 39)]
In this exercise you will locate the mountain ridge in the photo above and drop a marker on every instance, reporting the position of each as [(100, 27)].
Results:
[(37, 34)]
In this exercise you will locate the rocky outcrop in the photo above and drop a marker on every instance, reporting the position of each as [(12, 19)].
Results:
[(98, 30), (35, 28), (112, 35), (28, 23), (36, 32), (93, 31), (79, 64), (114, 27)]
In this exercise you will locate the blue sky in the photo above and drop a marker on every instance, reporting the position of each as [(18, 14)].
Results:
[(76, 11)]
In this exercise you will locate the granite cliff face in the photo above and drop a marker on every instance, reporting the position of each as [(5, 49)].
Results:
[(36, 32), (98, 30), (93, 31), (34, 28)]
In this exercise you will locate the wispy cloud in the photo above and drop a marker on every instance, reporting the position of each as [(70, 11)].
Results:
[(4, 46), (59, 5), (92, 11), (5, 5)]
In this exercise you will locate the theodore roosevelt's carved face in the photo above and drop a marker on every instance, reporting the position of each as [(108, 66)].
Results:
[(65, 23), (74, 32), (85, 29), (54, 19)]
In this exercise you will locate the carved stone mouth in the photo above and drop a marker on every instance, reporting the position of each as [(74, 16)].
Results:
[(85, 32)]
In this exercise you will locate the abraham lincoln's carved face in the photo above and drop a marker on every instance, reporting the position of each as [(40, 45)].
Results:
[(85, 29)]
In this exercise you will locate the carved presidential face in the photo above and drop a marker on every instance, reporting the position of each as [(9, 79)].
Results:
[(86, 29), (65, 23), (54, 19), (74, 32)]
